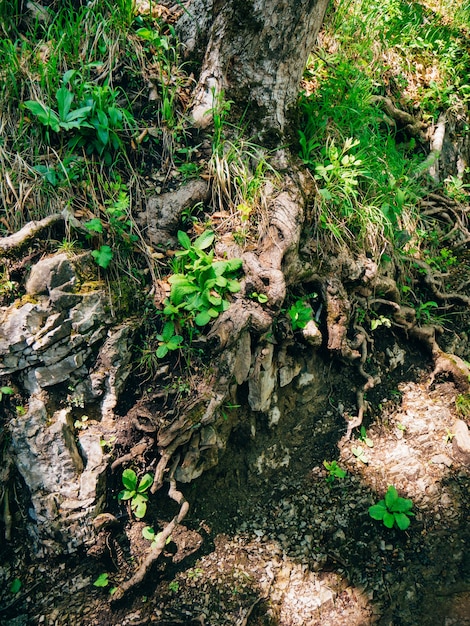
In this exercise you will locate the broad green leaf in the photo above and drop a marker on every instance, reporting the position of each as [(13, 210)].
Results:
[(94, 225), (388, 519), (15, 585), (162, 351), (402, 520), (125, 494), (77, 117), (8, 391), (174, 342), (145, 483), (139, 505), (204, 240), (129, 479), (215, 299), (184, 240), (377, 511), (391, 497), (103, 256), (168, 331), (102, 580), (64, 99), (221, 281), (402, 505), (45, 114), (180, 290), (233, 265), (148, 533), (234, 286)]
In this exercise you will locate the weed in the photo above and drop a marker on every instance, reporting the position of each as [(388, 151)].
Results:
[(102, 580), (262, 298), (149, 533), (168, 340), (15, 585), (334, 471), (200, 285), (135, 492), (300, 314), (393, 510), (364, 438), (359, 453), (174, 586)]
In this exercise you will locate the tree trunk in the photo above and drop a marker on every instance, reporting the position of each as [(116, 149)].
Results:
[(256, 52)]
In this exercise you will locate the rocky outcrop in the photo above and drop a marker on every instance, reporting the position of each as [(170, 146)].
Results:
[(70, 360)]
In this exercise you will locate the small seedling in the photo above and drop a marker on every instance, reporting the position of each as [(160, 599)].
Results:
[(393, 510), (102, 580), (20, 410), (15, 585), (168, 341), (300, 314), (174, 586), (365, 439), (449, 436), (261, 297), (135, 492), (149, 533), (360, 454), (401, 427), (334, 471)]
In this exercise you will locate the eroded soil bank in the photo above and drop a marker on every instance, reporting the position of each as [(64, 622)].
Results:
[(269, 541)]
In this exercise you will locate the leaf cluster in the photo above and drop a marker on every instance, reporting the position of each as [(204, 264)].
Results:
[(135, 491), (200, 285), (393, 510)]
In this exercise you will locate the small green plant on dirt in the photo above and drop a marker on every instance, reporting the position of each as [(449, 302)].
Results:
[(15, 585), (262, 298), (135, 491), (149, 533), (6, 391), (102, 580), (300, 314), (117, 223), (200, 284), (381, 320), (168, 341), (364, 438), (393, 510), (360, 454), (334, 471), (174, 586)]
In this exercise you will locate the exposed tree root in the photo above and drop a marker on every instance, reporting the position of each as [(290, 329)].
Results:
[(159, 544), (444, 363), (411, 124)]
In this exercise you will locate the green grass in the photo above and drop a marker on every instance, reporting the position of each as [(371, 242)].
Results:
[(365, 166)]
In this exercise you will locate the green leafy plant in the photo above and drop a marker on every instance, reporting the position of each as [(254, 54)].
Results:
[(393, 510), (102, 580), (103, 256), (149, 533), (15, 585), (300, 314), (135, 491), (334, 471), (262, 298), (364, 438), (174, 586), (360, 454), (93, 123), (168, 340), (200, 284)]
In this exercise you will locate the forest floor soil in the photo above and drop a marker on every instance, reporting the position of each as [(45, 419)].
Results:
[(287, 547)]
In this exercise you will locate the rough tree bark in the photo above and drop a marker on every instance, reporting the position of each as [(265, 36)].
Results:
[(256, 53)]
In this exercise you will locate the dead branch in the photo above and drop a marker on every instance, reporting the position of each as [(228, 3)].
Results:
[(29, 231), (158, 545)]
